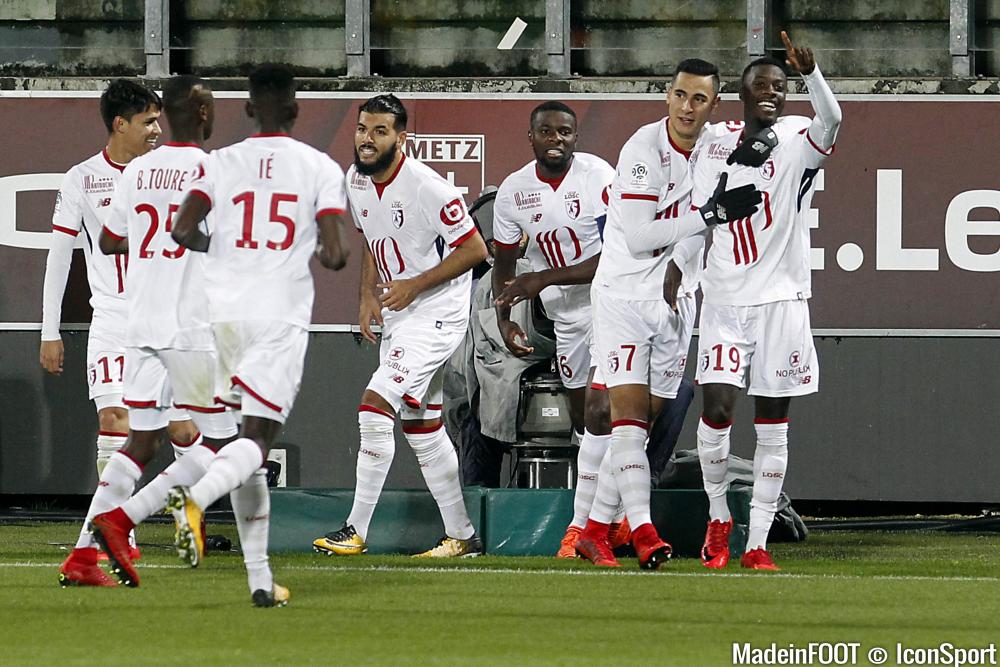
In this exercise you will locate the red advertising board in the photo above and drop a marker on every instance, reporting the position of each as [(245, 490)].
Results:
[(906, 218)]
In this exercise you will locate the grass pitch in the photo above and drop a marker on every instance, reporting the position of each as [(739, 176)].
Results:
[(920, 589)]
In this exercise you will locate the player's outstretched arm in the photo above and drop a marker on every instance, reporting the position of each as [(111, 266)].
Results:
[(823, 130), (332, 250), (503, 274), (369, 304), (185, 230), (400, 293)]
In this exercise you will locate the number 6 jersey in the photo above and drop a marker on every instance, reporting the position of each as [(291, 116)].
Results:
[(266, 193)]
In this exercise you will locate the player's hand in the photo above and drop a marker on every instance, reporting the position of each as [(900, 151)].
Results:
[(672, 284), (522, 288), (799, 58), (371, 312), (514, 338), (754, 150), (728, 205), (400, 293), (51, 355)]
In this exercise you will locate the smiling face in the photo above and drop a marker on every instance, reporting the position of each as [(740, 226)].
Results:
[(763, 94), (138, 135), (553, 139), (690, 101)]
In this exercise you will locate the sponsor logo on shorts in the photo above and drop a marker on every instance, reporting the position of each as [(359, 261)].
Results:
[(794, 359), (672, 373), (613, 362), (397, 367), (396, 353), (398, 379), (683, 362)]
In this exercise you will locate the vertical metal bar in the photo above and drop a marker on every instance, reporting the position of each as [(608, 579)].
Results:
[(358, 37), (962, 30), (557, 34), (758, 22), (156, 41)]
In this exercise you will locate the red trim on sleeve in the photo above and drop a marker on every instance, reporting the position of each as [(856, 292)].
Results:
[(632, 195), (413, 430), (371, 408), (462, 239), (501, 244), (329, 211), (107, 158), (711, 424), (198, 408), (201, 193), (112, 234), (113, 434), (379, 187), (770, 421), (813, 143), (139, 404), (240, 383), (630, 422), (65, 230)]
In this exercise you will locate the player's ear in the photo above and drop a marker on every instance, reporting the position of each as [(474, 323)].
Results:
[(401, 139), (293, 111), (248, 108)]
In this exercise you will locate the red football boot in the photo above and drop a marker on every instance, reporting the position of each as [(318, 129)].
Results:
[(758, 559), (619, 534), (80, 569), (715, 550), (111, 530), (593, 545), (567, 548), (651, 550)]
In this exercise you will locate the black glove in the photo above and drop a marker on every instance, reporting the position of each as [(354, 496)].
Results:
[(755, 150), (728, 205)]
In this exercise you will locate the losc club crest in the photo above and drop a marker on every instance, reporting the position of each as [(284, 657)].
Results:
[(573, 208), (397, 215), (613, 362), (767, 170)]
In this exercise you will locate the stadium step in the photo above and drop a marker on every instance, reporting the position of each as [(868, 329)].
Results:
[(512, 522)]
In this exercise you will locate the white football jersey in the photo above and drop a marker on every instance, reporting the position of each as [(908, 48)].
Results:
[(764, 258), (266, 193), (561, 221), (412, 222), (650, 167), (82, 205), (167, 307)]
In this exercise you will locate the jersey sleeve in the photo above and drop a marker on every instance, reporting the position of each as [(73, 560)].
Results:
[(506, 231), (599, 187), (331, 198), (116, 222), (443, 206), (67, 221), (638, 175), (67, 216), (203, 184)]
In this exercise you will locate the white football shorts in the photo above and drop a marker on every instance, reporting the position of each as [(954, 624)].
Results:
[(106, 366), (773, 339), (641, 342), (260, 366), (412, 353), (573, 343)]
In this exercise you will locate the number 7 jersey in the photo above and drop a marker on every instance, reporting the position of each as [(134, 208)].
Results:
[(266, 193)]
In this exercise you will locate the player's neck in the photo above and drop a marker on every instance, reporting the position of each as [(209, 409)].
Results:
[(552, 174), (196, 137), (683, 143), (387, 173), (753, 125), (117, 153)]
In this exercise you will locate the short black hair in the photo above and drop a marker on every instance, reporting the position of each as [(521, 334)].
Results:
[(764, 60), (386, 103), (126, 98), (177, 93), (699, 67), (272, 80), (551, 105)]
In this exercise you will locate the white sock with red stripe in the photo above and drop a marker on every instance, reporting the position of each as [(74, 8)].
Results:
[(378, 447), (769, 463), (631, 468), (588, 466), (439, 465), (180, 448), (252, 507), (116, 485), (713, 452), (107, 444), (231, 467), (187, 469), (607, 500)]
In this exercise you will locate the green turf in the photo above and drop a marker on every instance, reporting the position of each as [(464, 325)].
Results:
[(920, 589)]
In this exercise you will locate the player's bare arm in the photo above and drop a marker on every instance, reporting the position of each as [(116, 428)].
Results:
[(504, 270), (111, 244), (528, 285), (193, 210), (332, 250), (370, 306), (400, 293)]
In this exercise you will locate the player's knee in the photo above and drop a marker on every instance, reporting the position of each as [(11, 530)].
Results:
[(113, 420), (182, 432), (598, 417)]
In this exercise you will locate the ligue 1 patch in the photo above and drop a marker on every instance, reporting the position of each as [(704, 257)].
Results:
[(640, 173)]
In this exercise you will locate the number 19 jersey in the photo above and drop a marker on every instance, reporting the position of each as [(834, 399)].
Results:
[(266, 193)]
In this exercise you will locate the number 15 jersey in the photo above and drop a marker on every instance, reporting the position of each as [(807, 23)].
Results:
[(266, 193)]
